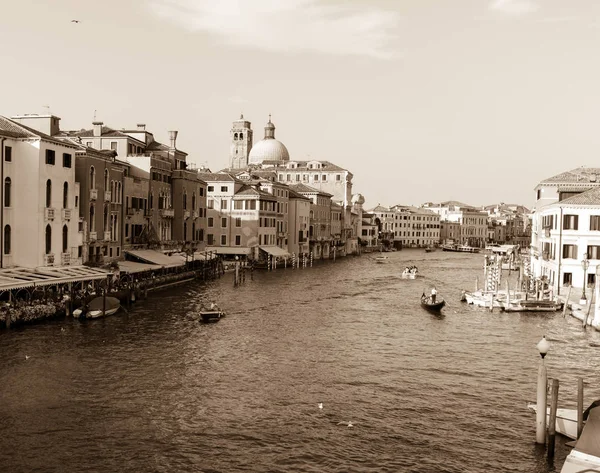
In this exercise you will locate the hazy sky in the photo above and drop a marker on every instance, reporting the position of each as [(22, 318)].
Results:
[(471, 100)]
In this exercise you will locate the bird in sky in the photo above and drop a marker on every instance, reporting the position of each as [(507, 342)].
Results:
[(75, 21)]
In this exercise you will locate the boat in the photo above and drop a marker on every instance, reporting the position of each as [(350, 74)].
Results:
[(382, 259), (429, 249), (428, 304), (585, 457), (460, 248), (532, 305), (215, 315), (410, 273), (566, 420), (98, 307)]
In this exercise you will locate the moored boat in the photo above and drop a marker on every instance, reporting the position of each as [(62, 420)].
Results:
[(207, 316), (460, 248), (566, 420), (585, 457), (99, 307), (382, 259)]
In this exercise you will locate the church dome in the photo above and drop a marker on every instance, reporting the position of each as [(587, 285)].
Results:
[(268, 149)]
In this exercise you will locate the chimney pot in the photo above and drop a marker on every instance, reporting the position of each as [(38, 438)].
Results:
[(97, 128), (173, 138), (141, 126)]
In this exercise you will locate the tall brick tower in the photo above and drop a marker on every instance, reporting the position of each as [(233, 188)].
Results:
[(241, 143)]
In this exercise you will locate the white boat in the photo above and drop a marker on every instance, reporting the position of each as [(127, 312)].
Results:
[(585, 457), (98, 307), (566, 420), (409, 273)]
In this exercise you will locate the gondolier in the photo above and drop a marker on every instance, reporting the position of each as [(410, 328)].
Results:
[(433, 295)]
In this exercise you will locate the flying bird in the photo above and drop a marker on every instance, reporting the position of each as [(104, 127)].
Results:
[(75, 21)]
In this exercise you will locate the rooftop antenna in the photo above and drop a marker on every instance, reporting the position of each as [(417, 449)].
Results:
[(94, 115)]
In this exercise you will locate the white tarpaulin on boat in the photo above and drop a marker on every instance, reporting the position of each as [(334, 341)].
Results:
[(275, 251), (156, 257)]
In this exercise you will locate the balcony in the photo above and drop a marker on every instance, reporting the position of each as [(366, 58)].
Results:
[(49, 213), (148, 212), (281, 234), (106, 236), (65, 259), (186, 214), (66, 214), (107, 196), (130, 211), (93, 194), (167, 213), (49, 259), (93, 236), (195, 214)]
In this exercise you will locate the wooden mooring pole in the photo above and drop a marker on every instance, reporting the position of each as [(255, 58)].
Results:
[(567, 301), (552, 420), (579, 406)]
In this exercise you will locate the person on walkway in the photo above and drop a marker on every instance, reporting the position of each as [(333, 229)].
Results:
[(433, 295)]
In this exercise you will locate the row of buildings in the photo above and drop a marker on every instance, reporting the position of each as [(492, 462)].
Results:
[(100, 195)]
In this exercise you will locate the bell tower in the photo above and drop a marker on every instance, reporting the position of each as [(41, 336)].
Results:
[(241, 143)]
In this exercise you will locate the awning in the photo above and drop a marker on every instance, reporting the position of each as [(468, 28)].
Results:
[(156, 257), (229, 250), (134, 267), (275, 251), (16, 278)]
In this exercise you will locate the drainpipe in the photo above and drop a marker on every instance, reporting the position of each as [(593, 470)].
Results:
[(560, 224), (2, 203)]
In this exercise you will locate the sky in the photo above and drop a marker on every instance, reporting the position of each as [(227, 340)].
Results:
[(423, 101)]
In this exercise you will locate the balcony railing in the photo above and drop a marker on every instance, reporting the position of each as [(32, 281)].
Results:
[(66, 214), (49, 213), (106, 236), (186, 214), (93, 236), (167, 213), (93, 194), (49, 259), (107, 196), (148, 213), (65, 259)]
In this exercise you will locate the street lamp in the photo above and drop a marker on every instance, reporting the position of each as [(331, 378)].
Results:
[(585, 264), (540, 432)]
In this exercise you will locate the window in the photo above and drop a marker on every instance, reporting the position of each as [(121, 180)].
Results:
[(316, 177), (594, 222), (223, 204), (113, 145), (65, 238), (223, 188), (88, 144), (7, 239), (238, 222), (338, 177), (201, 235), (48, 193), (210, 239), (324, 178), (7, 153), (92, 178), (201, 191), (593, 252), (106, 180), (7, 192), (238, 204), (66, 195), (570, 222), (66, 160), (224, 222), (50, 156), (570, 251), (211, 188), (48, 239), (238, 240), (210, 221), (567, 279), (210, 204), (223, 240), (250, 205), (184, 201)]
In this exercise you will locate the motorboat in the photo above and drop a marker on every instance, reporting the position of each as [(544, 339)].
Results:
[(382, 259), (460, 248), (410, 273), (585, 457), (98, 307), (566, 420), (532, 305), (428, 303)]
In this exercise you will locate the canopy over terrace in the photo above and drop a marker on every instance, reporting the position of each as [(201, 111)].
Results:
[(156, 258), (275, 251), (17, 278)]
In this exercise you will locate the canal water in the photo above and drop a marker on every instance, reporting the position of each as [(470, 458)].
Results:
[(154, 390)]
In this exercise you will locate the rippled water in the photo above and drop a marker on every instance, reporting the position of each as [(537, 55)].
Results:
[(156, 391)]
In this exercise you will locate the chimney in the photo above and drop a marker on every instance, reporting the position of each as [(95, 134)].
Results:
[(97, 128), (141, 126), (173, 138)]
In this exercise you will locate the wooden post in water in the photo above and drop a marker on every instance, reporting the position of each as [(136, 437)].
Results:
[(579, 406), (476, 283), (552, 420), (542, 388), (567, 301)]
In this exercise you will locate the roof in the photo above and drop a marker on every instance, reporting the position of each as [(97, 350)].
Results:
[(156, 258), (304, 189), (248, 190), (268, 149), (105, 132), (581, 175), (325, 166), (16, 130), (296, 195), (216, 177), (587, 198), (14, 278), (134, 267), (228, 250), (274, 251)]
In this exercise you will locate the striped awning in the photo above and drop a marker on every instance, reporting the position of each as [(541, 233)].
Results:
[(18, 277)]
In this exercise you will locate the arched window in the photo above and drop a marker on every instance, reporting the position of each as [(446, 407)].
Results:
[(48, 239), (65, 195), (184, 201), (92, 218), (113, 192), (105, 218), (105, 180), (92, 178), (7, 184), (184, 231), (119, 193), (193, 202), (193, 230), (7, 239), (48, 193), (241, 136), (235, 136), (65, 238)]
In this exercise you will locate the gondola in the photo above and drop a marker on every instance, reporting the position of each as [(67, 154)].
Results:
[(432, 306), (208, 316)]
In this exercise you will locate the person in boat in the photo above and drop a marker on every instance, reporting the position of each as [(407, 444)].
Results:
[(433, 294)]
